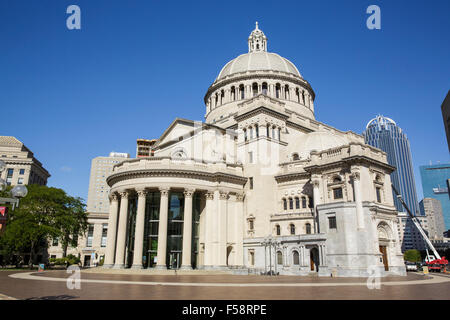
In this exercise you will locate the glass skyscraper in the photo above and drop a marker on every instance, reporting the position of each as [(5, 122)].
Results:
[(435, 184), (383, 133)]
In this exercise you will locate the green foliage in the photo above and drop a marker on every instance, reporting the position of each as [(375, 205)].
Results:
[(102, 261), (412, 255), (45, 213), (69, 260)]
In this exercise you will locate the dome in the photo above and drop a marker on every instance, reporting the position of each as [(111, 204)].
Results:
[(318, 140), (258, 61)]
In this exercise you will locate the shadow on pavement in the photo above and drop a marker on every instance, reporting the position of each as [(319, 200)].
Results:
[(60, 297)]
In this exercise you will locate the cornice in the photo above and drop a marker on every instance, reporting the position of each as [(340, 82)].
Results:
[(292, 176), (145, 173)]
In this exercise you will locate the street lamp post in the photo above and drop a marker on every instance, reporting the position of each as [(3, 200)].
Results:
[(270, 242)]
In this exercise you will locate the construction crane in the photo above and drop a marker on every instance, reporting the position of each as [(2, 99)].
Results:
[(435, 262)]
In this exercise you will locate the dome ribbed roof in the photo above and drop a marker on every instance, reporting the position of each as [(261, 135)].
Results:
[(258, 61)]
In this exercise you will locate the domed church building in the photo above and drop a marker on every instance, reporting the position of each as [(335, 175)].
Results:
[(260, 185)]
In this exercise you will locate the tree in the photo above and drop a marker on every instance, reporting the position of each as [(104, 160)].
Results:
[(45, 213), (412, 256)]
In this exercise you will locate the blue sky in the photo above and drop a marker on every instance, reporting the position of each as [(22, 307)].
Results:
[(72, 95)]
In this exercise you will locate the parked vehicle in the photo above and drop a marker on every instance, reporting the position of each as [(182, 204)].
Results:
[(411, 266)]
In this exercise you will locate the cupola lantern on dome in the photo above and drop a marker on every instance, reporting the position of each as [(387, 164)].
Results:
[(257, 41)]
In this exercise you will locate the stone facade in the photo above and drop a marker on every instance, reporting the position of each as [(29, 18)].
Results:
[(261, 166), (21, 165)]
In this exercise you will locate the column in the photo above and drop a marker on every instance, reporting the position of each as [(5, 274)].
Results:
[(209, 211), (358, 201), (186, 263), (316, 198), (162, 229), (112, 230), (222, 229), (122, 232), (302, 256), (239, 211), (139, 231)]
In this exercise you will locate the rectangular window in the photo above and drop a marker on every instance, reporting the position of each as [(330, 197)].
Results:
[(22, 171), (55, 242), (303, 202), (90, 236), (378, 190), (332, 222), (104, 234), (251, 182), (337, 193), (20, 181), (297, 203), (251, 225)]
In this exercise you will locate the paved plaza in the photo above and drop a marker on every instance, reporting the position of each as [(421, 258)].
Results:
[(52, 285)]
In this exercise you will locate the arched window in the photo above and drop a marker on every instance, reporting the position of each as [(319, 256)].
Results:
[(278, 230), (337, 179), (295, 157), (297, 203), (291, 203), (292, 229), (303, 97), (250, 132), (284, 204), (295, 258), (273, 132), (217, 100), (233, 93), (245, 134), (297, 95), (264, 88), (267, 130), (277, 90), (255, 89), (286, 92), (279, 257), (303, 202), (279, 134), (241, 91), (256, 130), (308, 228), (222, 96)]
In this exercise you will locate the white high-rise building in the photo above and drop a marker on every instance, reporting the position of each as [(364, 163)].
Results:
[(101, 167)]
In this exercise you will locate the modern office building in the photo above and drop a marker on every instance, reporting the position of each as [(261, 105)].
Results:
[(432, 210), (91, 247), (144, 147), (435, 184), (260, 167), (21, 165), (383, 133), (410, 237), (445, 108), (98, 193)]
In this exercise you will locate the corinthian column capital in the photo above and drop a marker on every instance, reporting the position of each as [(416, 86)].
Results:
[(188, 193), (240, 196), (209, 195), (114, 196), (223, 195), (124, 194), (141, 192), (164, 191)]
